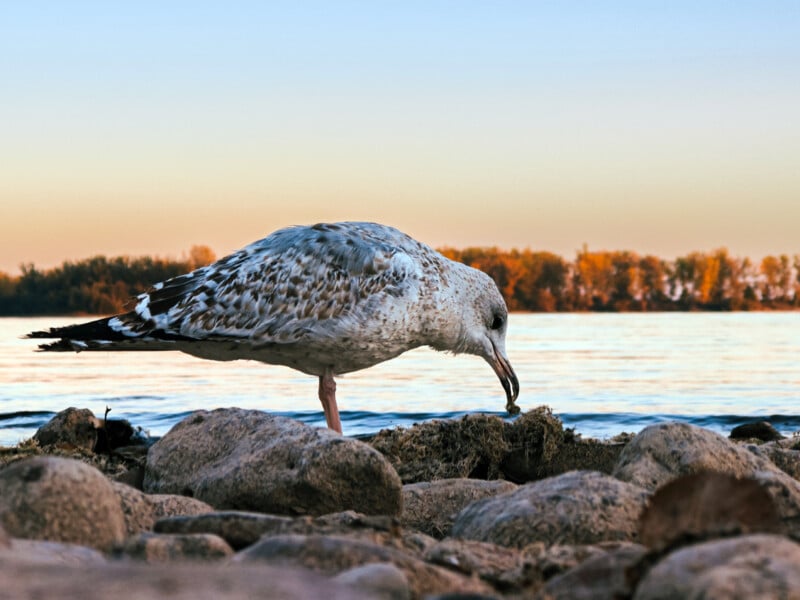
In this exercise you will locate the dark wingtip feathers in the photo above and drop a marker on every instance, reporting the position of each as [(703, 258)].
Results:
[(63, 345)]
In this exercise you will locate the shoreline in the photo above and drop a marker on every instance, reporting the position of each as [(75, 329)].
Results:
[(474, 505)]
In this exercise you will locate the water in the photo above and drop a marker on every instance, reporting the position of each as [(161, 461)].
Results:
[(601, 373)]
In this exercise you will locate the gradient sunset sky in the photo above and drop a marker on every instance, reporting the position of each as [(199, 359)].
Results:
[(145, 127)]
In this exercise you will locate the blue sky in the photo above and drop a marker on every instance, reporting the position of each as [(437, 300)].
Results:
[(144, 128)]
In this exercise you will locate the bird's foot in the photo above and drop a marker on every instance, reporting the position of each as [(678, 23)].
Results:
[(512, 409)]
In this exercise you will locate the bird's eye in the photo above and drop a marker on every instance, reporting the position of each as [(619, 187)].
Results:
[(497, 322)]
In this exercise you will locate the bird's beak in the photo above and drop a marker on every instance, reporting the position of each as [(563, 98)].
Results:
[(508, 379)]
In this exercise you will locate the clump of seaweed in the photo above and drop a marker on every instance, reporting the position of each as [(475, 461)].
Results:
[(477, 446), (112, 465), (534, 440), (440, 449)]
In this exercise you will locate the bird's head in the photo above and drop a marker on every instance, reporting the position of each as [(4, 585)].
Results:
[(482, 328)]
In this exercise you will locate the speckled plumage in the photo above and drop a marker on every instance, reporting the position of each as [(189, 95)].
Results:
[(325, 299)]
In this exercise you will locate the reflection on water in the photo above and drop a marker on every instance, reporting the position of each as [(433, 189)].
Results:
[(602, 373)]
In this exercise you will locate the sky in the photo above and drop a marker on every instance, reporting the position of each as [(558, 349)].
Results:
[(143, 128)]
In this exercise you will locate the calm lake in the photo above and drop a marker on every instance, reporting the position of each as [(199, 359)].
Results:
[(601, 373)]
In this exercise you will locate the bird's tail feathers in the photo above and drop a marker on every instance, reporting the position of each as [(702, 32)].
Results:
[(99, 335)]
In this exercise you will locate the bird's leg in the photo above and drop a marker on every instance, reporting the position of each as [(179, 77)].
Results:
[(327, 395)]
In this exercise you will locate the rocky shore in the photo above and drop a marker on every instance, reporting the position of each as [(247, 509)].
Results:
[(235, 503)]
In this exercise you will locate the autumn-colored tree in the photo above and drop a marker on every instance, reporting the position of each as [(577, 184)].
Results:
[(741, 293), (543, 285), (771, 278), (786, 278), (200, 256), (625, 279), (652, 283), (796, 285), (594, 279)]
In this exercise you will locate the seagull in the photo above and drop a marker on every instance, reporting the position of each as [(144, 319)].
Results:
[(325, 299)]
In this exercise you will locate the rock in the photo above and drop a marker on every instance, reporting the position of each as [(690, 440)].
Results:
[(143, 510), (176, 581), (154, 547), (513, 571), (549, 561), (241, 529), (785, 494), (249, 460), (379, 529), (786, 459), (72, 427), (79, 428), (752, 566), (580, 507), (666, 451), (62, 500), (431, 506), (492, 563), (171, 505), (136, 508), (382, 579), (706, 505), (459, 596), (133, 476), (50, 553), (468, 557), (334, 554), (601, 576), (663, 452), (759, 430)]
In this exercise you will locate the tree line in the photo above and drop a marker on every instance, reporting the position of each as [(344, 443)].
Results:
[(625, 281), (529, 280), (97, 285)]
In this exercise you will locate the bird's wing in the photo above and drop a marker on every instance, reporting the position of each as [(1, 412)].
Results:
[(297, 283)]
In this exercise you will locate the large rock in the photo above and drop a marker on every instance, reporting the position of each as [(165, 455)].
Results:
[(249, 460), (61, 500), (431, 506), (661, 453), (580, 507), (24, 580), (330, 554), (753, 566)]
